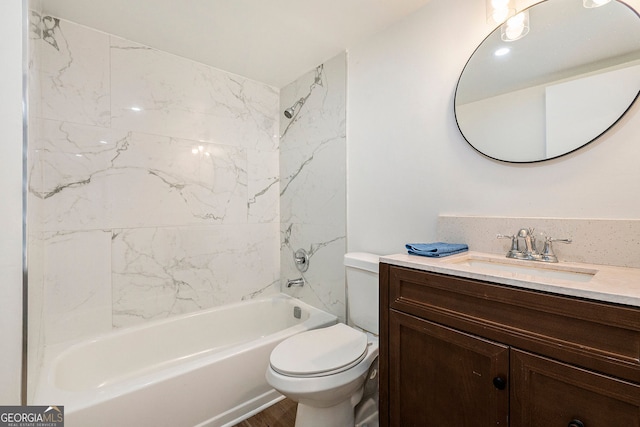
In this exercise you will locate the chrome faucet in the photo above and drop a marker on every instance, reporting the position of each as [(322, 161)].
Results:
[(295, 282), (530, 253)]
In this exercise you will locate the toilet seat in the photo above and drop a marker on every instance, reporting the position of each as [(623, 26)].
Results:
[(320, 352)]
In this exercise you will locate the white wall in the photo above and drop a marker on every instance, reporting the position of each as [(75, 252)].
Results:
[(407, 161), (11, 205)]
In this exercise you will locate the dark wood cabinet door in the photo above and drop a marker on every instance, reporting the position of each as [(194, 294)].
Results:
[(442, 377), (548, 393)]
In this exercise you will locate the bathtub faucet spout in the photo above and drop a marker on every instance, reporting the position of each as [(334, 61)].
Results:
[(295, 282)]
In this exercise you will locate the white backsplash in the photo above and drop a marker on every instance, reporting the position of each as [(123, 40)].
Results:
[(596, 241)]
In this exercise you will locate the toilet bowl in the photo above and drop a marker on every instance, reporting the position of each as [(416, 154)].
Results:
[(325, 370)]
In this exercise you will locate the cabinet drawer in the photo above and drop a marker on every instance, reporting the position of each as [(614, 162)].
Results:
[(598, 336)]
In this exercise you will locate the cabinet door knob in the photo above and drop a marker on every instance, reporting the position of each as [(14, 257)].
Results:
[(576, 423), (500, 383)]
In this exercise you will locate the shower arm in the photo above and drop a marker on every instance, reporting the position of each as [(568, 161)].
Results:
[(291, 111)]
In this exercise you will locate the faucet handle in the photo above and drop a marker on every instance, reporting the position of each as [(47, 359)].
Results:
[(295, 282), (551, 239), (301, 258), (514, 245), (547, 252)]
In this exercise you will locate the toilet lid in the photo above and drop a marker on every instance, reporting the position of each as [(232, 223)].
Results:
[(320, 351)]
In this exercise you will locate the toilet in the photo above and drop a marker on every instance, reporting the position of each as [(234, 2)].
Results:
[(332, 372)]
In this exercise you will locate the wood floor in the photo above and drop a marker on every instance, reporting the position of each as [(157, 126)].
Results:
[(282, 414)]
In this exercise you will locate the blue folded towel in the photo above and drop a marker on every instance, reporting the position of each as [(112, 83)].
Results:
[(435, 250)]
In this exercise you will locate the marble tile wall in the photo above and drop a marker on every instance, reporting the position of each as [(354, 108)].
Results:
[(313, 185), (153, 186)]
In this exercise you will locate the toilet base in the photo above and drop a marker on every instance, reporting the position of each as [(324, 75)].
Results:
[(340, 415)]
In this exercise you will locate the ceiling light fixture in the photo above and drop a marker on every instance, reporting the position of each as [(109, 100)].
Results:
[(516, 27), (499, 11), (589, 4)]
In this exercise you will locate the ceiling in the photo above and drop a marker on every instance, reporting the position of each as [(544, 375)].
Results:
[(271, 41)]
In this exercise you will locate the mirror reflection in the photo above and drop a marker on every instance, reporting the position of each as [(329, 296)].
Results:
[(554, 90)]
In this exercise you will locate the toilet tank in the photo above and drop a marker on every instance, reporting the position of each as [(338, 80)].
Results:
[(362, 290)]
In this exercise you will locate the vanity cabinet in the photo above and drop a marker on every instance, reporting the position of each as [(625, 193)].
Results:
[(463, 352)]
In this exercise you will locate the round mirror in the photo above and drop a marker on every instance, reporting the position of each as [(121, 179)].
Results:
[(555, 89)]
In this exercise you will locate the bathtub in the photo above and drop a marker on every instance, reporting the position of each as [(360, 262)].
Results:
[(201, 369)]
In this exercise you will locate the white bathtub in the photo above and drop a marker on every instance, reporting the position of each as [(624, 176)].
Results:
[(201, 369)]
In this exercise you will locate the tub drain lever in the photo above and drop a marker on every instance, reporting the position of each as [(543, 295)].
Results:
[(297, 312)]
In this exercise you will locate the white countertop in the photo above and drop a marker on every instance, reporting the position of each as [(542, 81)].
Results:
[(600, 282)]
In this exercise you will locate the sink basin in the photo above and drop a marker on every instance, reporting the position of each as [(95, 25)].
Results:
[(514, 268)]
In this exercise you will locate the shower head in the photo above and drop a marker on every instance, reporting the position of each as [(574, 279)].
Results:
[(290, 112)]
